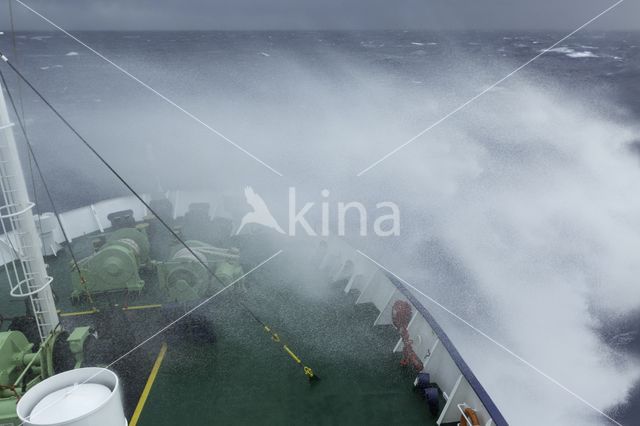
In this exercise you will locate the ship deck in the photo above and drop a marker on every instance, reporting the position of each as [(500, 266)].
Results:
[(242, 376)]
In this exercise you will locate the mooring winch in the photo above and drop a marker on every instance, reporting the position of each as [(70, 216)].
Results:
[(184, 278), (115, 266)]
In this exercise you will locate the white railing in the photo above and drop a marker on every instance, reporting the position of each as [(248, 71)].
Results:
[(440, 358), (93, 218)]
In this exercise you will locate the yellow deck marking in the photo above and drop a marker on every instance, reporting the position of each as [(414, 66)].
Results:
[(73, 314), (130, 308), (148, 386), (133, 308)]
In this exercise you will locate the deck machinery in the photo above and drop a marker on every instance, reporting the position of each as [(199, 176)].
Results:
[(115, 265), (183, 278), (120, 257)]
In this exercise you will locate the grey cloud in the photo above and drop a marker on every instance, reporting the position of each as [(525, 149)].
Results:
[(324, 15)]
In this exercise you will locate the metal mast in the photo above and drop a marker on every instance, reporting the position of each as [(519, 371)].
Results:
[(26, 270)]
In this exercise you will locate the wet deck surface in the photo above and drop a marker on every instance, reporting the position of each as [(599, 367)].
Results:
[(243, 377)]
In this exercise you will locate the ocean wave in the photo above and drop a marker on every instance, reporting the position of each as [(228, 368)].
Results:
[(571, 53), (419, 43), (371, 44), (44, 68), (562, 49), (585, 54), (72, 54)]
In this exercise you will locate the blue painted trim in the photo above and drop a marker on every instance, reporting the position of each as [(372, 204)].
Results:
[(477, 387)]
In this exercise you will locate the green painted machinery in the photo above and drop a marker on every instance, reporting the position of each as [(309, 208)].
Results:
[(115, 265), (22, 366), (183, 278)]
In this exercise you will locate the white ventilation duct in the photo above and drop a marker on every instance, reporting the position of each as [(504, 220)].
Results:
[(48, 225), (82, 397)]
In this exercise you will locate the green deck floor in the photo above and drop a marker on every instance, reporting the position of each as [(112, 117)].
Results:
[(245, 378)]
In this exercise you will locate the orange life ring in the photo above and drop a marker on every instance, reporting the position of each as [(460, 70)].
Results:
[(471, 415)]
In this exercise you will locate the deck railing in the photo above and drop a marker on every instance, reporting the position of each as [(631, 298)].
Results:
[(446, 367)]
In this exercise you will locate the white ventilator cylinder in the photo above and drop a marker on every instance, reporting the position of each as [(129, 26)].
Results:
[(48, 225), (81, 397)]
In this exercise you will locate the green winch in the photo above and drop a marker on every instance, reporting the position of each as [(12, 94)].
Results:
[(115, 265), (184, 278), (21, 367)]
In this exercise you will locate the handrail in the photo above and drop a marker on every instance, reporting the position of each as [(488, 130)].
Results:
[(471, 378)]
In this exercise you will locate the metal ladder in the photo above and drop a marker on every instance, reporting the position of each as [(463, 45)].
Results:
[(25, 267)]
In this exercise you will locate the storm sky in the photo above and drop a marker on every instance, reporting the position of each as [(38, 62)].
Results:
[(323, 14)]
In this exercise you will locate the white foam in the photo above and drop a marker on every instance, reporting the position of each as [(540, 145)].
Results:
[(585, 54), (371, 44), (562, 49), (531, 196), (534, 197), (571, 53), (72, 54)]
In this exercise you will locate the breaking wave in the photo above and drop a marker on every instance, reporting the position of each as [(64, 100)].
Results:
[(572, 53)]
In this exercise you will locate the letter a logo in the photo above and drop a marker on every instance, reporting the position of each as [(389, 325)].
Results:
[(260, 214)]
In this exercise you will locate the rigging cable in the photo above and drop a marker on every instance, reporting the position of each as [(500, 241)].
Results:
[(32, 155), (14, 47), (308, 372)]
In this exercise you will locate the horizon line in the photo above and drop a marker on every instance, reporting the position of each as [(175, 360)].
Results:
[(484, 30)]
